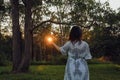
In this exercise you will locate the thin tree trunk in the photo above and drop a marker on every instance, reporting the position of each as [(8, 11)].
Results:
[(17, 47)]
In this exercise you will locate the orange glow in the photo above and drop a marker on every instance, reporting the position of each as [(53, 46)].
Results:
[(49, 39)]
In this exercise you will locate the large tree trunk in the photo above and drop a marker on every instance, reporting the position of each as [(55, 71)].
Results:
[(17, 51), (24, 67), (1, 2)]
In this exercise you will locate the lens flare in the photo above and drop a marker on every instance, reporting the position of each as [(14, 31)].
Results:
[(49, 39)]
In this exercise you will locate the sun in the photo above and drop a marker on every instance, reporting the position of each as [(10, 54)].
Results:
[(49, 39)]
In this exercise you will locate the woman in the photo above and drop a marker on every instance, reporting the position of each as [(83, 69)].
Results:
[(78, 52)]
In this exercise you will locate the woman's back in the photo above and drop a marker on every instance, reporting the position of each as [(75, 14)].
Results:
[(76, 50), (76, 67)]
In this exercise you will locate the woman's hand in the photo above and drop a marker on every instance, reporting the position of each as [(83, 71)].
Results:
[(56, 46), (50, 41)]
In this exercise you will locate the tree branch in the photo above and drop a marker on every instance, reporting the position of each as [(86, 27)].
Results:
[(55, 22), (40, 24)]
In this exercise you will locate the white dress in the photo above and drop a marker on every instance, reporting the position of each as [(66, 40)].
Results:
[(76, 67)]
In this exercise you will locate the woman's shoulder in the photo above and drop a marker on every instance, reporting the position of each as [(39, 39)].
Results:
[(85, 43), (67, 43)]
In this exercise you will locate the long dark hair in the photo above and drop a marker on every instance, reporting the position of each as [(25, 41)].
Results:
[(75, 34)]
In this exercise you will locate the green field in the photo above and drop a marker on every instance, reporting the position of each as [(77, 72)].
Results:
[(56, 72)]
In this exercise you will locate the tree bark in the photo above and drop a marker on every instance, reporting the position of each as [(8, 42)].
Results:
[(24, 67), (17, 39)]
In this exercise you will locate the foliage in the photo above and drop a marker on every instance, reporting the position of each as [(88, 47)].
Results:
[(59, 60), (5, 50)]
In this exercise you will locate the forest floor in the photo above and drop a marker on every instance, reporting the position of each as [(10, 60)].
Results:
[(56, 72)]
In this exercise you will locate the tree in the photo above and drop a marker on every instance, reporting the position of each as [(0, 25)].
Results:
[(1, 5), (24, 66), (17, 52)]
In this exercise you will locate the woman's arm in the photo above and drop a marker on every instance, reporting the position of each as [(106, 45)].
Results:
[(56, 46), (63, 49)]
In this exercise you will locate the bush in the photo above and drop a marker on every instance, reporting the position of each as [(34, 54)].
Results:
[(97, 61), (40, 63), (3, 60), (60, 59)]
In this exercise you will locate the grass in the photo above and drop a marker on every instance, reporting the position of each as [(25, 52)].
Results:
[(56, 72)]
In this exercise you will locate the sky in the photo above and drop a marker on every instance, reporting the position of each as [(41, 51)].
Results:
[(115, 4)]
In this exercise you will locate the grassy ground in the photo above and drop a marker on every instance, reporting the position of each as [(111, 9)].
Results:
[(56, 72)]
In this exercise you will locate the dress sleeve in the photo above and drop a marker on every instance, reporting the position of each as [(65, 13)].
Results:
[(87, 53), (64, 48)]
